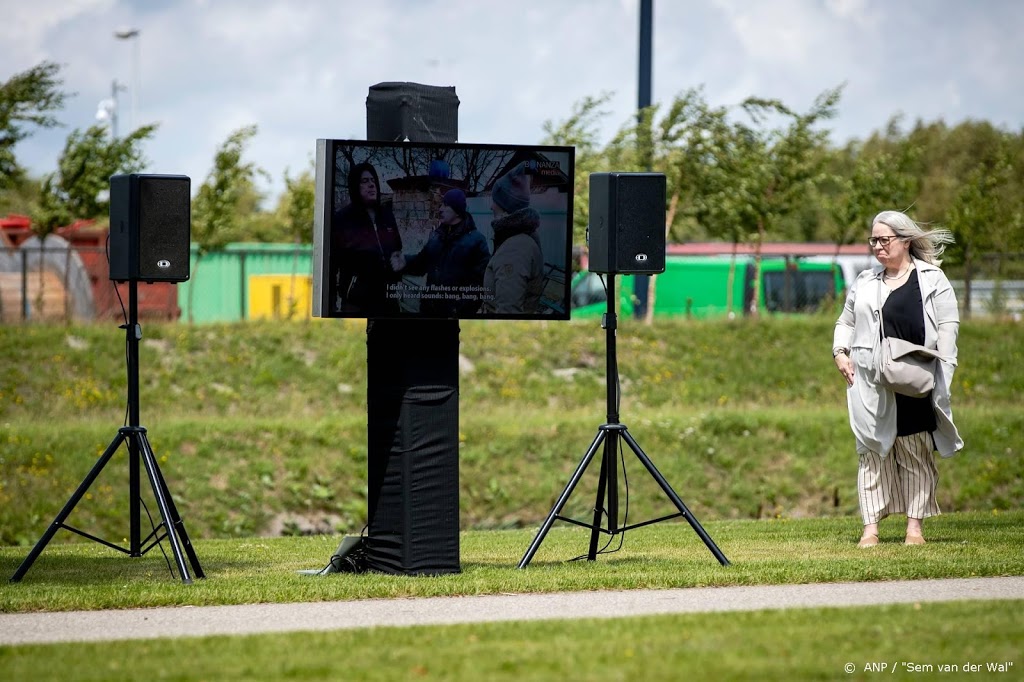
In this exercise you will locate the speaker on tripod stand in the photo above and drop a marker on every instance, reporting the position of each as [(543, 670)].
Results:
[(627, 223), (150, 225), (627, 236)]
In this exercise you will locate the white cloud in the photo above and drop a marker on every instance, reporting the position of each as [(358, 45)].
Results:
[(302, 70), (860, 12)]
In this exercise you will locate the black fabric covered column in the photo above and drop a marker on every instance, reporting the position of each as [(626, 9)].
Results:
[(413, 429), (412, 387)]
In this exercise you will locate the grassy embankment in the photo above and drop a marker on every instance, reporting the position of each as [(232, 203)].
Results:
[(261, 428)]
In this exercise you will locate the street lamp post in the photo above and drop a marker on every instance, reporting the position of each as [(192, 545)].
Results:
[(646, 48), (642, 283), (114, 87), (133, 35), (108, 109)]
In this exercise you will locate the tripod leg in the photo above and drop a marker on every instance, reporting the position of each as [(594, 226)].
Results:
[(69, 506), (653, 470), (605, 484), (149, 460), (562, 499), (612, 453), (134, 503), (186, 543)]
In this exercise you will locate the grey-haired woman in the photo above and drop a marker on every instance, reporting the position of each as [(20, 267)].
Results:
[(896, 435)]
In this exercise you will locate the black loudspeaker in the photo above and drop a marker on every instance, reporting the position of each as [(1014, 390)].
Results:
[(150, 227), (420, 113), (627, 223)]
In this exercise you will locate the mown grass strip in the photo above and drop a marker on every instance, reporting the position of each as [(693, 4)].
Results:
[(667, 555), (803, 644)]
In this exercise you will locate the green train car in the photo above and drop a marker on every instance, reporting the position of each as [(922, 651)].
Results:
[(699, 287)]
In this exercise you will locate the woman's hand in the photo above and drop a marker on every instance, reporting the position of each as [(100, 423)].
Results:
[(397, 261), (845, 366)]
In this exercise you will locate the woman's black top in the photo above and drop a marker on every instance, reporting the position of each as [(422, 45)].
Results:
[(903, 314)]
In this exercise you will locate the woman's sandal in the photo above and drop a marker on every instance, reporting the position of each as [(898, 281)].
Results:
[(914, 539), (868, 541)]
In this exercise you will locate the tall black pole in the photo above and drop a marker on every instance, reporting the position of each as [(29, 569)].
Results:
[(646, 48), (608, 484), (641, 282), (134, 333), (611, 444)]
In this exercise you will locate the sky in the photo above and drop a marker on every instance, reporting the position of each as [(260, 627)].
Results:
[(301, 70)]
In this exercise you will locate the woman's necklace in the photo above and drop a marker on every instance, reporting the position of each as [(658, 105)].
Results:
[(899, 276)]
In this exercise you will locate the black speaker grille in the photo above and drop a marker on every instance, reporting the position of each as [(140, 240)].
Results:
[(165, 222), (641, 233)]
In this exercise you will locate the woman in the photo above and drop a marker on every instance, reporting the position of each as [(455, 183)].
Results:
[(897, 434), (514, 279), (364, 236), (453, 259)]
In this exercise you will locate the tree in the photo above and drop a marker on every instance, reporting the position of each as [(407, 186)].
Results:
[(580, 130), (676, 145), (79, 188), (736, 179), (227, 194), (732, 179), (225, 197), (297, 205), (872, 182), (295, 211), (772, 170), (985, 215), (23, 199), (27, 99), (948, 156)]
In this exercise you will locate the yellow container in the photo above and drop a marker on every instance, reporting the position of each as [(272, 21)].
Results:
[(280, 297)]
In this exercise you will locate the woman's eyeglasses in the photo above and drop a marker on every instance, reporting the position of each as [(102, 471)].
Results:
[(884, 241)]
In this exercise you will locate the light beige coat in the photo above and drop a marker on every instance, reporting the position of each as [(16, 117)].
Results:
[(873, 408)]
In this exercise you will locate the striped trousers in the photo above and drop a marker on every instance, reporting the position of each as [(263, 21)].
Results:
[(901, 483)]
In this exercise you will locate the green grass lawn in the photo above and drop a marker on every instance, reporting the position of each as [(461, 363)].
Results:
[(767, 645), (804, 644), (666, 555)]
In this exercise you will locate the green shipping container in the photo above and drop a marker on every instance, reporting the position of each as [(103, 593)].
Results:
[(218, 289)]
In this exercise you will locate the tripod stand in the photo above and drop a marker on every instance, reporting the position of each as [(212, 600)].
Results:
[(609, 434), (138, 447)]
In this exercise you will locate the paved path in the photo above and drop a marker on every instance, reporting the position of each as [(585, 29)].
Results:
[(79, 626)]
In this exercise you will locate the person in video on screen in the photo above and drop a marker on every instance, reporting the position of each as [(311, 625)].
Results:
[(364, 235), (453, 260), (514, 279), (896, 435)]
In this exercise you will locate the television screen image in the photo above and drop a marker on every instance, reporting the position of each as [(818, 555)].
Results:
[(442, 230)]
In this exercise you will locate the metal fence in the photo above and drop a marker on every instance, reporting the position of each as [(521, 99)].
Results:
[(54, 282), (990, 285), (990, 298)]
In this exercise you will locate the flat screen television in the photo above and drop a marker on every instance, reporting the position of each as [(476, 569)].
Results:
[(442, 230)]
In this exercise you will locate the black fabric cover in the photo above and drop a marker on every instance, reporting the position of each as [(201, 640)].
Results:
[(422, 113), (413, 447)]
